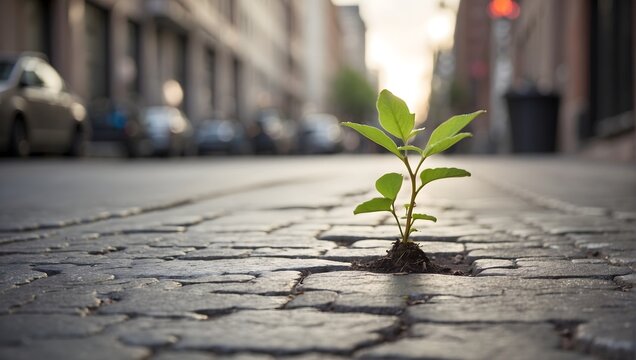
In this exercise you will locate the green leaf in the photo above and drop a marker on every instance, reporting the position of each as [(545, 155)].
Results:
[(451, 127), (376, 135), (415, 132), (389, 185), (429, 175), (424, 217), (374, 205), (395, 116), (442, 145), (411, 148)]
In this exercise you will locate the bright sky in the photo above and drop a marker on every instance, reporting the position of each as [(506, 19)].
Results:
[(402, 36)]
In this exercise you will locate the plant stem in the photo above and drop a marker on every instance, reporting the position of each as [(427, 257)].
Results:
[(419, 165), (409, 212), (417, 170), (414, 192), (397, 220)]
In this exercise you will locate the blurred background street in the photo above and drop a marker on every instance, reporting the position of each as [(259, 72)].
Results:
[(188, 77), (45, 195)]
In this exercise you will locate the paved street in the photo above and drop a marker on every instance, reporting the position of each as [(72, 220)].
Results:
[(248, 258)]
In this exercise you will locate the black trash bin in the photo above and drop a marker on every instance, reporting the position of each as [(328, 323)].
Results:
[(533, 118)]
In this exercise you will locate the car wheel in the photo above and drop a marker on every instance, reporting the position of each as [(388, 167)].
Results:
[(190, 150), (19, 144), (172, 151), (77, 148), (132, 148)]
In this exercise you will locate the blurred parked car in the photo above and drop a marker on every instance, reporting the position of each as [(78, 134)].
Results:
[(224, 136), (289, 143), (270, 134), (119, 123), (37, 112), (320, 134), (169, 130)]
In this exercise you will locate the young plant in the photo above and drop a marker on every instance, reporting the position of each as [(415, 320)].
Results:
[(396, 119)]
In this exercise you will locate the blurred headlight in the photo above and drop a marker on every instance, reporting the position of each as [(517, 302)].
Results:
[(78, 111), (177, 125)]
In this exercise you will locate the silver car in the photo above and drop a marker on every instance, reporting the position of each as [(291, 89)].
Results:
[(169, 130), (37, 112), (320, 134)]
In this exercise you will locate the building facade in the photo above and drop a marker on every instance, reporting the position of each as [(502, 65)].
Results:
[(323, 52), (230, 57), (581, 50), (354, 33), (471, 80)]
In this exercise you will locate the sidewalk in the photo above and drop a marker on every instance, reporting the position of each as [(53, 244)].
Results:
[(552, 258)]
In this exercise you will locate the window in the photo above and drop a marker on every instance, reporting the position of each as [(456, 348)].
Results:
[(211, 77), (133, 58), (29, 76), (6, 67), (612, 67), (237, 77), (37, 14), (97, 51)]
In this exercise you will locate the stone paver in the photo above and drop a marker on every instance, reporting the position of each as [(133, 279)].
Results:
[(273, 332), (98, 348), (260, 270), (190, 302), (504, 341), (480, 265), (19, 328), (525, 307), (559, 269)]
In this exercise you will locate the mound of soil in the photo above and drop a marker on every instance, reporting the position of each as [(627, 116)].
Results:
[(410, 258)]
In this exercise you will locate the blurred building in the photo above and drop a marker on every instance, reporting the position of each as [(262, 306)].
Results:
[(440, 102), (582, 51), (323, 52), (461, 77), (230, 57), (472, 56), (354, 33)]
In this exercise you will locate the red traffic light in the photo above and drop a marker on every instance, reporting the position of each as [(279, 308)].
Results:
[(504, 8)]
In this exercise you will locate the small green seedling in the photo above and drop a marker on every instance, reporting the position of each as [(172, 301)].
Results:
[(396, 119)]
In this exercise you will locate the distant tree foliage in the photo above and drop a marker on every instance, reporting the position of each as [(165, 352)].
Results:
[(353, 96)]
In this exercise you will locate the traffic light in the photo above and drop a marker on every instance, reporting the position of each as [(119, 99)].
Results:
[(504, 9)]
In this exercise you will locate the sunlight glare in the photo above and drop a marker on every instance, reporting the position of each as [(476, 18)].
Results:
[(402, 36)]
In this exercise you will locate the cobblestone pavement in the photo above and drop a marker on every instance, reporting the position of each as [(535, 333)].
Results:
[(257, 267)]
